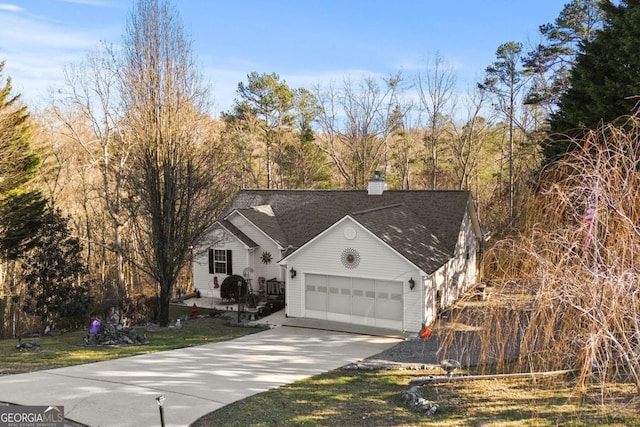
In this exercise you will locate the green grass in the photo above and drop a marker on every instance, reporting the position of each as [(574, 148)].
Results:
[(373, 398), (64, 349)]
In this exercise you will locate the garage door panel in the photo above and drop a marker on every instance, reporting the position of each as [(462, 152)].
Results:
[(315, 300), (365, 285), (390, 310), (363, 306), (388, 300), (339, 298), (316, 292), (339, 301)]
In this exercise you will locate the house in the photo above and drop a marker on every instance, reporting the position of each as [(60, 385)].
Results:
[(389, 259)]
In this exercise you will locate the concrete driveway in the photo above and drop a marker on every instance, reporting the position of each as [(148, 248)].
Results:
[(194, 381)]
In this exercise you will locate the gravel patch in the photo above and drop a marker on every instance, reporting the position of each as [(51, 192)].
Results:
[(417, 353), (412, 350)]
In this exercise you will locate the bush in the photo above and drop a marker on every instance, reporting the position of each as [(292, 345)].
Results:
[(229, 287), (264, 311), (275, 305)]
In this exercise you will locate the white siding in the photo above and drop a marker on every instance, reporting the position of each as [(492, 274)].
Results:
[(429, 307), (377, 261), (459, 273), (268, 271), (202, 279)]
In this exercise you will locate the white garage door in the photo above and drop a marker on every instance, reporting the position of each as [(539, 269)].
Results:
[(354, 300)]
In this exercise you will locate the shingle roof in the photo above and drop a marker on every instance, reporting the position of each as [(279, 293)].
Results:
[(401, 229), (267, 223), (421, 225), (238, 233)]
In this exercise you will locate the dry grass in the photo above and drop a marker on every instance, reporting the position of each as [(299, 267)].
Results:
[(524, 402)]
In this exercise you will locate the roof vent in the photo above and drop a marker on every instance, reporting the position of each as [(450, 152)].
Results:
[(377, 185)]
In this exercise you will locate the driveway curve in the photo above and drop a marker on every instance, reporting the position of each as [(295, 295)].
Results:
[(193, 380)]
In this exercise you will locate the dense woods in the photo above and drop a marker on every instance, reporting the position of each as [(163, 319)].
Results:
[(130, 167)]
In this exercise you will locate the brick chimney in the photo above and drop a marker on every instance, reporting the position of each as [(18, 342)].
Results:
[(377, 185)]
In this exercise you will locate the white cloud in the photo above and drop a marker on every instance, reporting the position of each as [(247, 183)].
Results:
[(36, 48), (97, 3), (21, 33), (10, 7)]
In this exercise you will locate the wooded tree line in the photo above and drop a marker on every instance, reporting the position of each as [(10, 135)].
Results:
[(128, 154)]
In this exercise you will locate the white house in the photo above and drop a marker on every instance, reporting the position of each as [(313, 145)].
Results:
[(388, 259)]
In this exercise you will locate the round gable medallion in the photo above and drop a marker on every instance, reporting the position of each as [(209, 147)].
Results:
[(350, 258), (350, 233)]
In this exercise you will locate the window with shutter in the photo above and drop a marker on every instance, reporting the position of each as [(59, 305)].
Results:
[(220, 261)]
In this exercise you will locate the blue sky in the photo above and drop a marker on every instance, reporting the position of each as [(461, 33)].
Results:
[(304, 41)]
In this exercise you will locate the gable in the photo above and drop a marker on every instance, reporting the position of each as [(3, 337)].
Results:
[(327, 252)]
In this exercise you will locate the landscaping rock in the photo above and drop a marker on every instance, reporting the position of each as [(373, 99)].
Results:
[(417, 403), (381, 364), (110, 334), (27, 346)]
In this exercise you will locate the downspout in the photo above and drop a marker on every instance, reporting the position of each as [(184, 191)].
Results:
[(426, 288)]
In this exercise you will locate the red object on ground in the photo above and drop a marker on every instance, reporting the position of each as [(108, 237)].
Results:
[(425, 333), (194, 309)]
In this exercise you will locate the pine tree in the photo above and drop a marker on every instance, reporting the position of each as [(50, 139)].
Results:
[(21, 208), (605, 81), (550, 63), (505, 80), (55, 274), (271, 101)]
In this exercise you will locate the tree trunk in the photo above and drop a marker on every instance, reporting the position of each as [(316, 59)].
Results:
[(165, 300)]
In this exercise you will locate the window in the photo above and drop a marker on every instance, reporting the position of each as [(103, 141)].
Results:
[(220, 262)]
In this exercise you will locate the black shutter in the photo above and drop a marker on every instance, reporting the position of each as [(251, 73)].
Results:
[(229, 268), (212, 267)]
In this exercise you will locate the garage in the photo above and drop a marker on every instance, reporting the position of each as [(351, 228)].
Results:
[(361, 301)]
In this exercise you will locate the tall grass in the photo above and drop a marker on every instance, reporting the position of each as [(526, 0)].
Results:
[(566, 289)]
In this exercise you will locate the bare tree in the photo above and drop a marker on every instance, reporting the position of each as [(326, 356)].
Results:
[(173, 182), (89, 110), (468, 139), (436, 91), (404, 145), (355, 122)]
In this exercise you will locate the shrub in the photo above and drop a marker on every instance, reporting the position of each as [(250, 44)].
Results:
[(275, 305), (264, 311), (229, 287)]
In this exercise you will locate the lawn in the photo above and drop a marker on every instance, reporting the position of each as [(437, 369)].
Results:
[(373, 398), (64, 349)]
